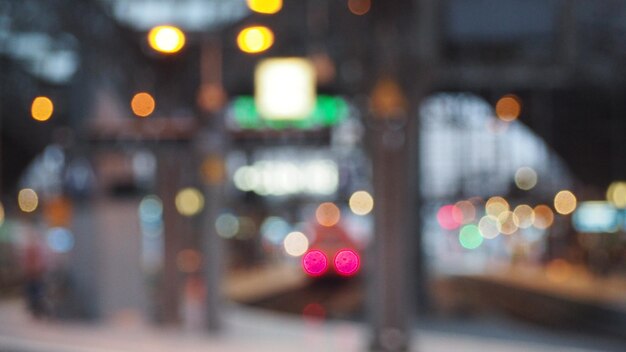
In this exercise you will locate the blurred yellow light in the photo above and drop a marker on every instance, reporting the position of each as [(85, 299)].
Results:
[(525, 178), (142, 104), (42, 108), (1, 214), (495, 206), (508, 108), (327, 214), (468, 212), (255, 39), (564, 202), (265, 6), (359, 7), (166, 39), (525, 216), (188, 260), (284, 89), (189, 201), (616, 194), (296, 244), (27, 200), (361, 203), (488, 227), (507, 222), (544, 217)]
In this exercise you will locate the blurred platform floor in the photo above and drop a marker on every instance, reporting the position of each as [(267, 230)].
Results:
[(248, 330)]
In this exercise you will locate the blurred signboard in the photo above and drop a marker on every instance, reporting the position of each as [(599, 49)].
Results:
[(596, 217), (327, 111)]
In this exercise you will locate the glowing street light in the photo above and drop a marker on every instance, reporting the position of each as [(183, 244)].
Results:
[(268, 7), (255, 39), (166, 39)]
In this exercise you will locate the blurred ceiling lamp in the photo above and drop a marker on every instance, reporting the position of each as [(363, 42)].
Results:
[(285, 88), (359, 7), (616, 194), (255, 39), (269, 7), (142, 104), (508, 108), (387, 99), (41, 108), (166, 39)]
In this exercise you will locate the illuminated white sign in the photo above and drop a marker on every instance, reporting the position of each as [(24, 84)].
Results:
[(284, 88), (280, 178)]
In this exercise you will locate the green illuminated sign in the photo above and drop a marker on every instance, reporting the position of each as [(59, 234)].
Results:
[(328, 111)]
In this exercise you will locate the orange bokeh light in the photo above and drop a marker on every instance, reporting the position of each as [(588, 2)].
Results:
[(42, 108), (359, 7), (143, 104), (327, 214), (508, 108)]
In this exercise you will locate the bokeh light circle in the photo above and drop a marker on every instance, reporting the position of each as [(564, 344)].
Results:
[(189, 201), (449, 217), (495, 206), (347, 262), (268, 7), (525, 178), (507, 222), (361, 203), (41, 108), (142, 104), (470, 237), (525, 216), (315, 263), (27, 200), (327, 214), (565, 202), (488, 227), (508, 108), (616, 194), (467, 212), (296, 244), (255, 39), (166, 39), (544, 217), (359, 7), (227, 225)]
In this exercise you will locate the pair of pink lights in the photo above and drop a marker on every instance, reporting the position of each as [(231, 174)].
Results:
[(346, 262)]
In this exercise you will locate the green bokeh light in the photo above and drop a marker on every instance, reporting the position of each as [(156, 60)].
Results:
[(470, 237)]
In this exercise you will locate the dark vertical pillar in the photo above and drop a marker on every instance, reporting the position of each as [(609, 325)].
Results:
[(389, 277), (168, 184)]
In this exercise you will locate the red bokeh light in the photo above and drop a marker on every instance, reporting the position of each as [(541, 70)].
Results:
[(314, 263), (347, 262), (449, 217)]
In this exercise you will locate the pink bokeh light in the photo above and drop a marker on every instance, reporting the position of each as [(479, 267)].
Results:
[(449, 217), (347, 262), (314, 263)]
